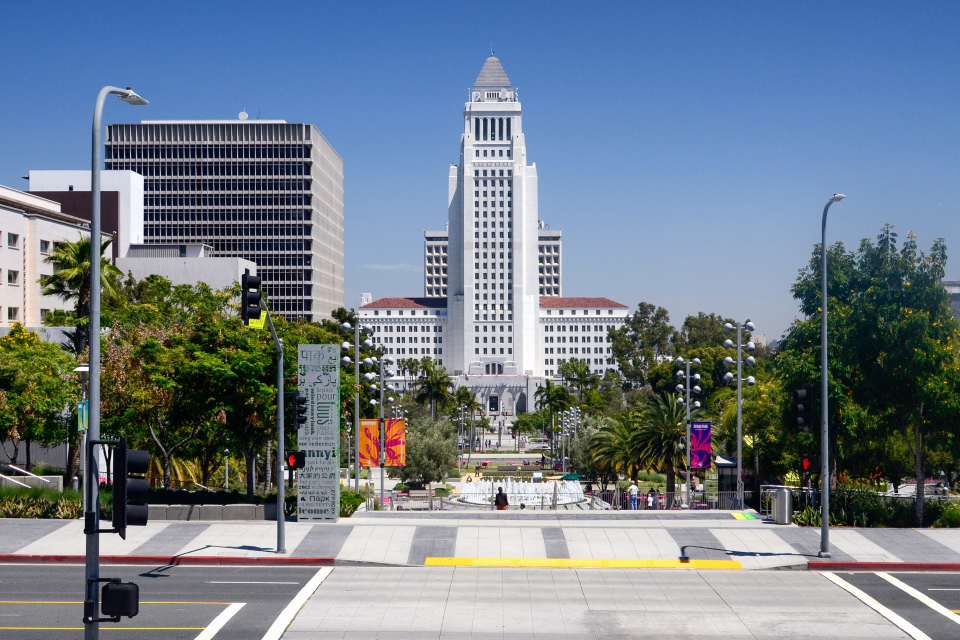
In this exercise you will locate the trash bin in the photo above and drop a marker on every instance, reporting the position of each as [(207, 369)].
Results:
[(783, 506)]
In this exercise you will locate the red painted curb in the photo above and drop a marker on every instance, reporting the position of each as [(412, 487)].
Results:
[(883, 566), (9, 558)]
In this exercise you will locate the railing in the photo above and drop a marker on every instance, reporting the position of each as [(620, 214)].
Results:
[(699, 501)]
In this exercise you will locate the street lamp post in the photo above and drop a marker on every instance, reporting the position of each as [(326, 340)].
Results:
[(91, 604), (824, 387), (226, 469), (384, 401), (356, 398), (685, 374), (728, 377)]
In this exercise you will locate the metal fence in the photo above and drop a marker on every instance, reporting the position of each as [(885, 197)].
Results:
[(677, 500)]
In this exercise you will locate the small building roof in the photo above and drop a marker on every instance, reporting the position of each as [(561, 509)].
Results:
[(549, 302), (407, 303)]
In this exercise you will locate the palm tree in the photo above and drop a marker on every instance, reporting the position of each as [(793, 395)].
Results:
[(71, 277), (432, 385), (554, 398), (659, 435), (613, 448), (578, 373)]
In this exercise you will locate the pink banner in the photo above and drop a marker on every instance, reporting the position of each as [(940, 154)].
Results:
[(701, 450)]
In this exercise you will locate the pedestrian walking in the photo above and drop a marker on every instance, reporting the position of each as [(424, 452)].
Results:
[(650, 499), (501, 500), (632, 492)]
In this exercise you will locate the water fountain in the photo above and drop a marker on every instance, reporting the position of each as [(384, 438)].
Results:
[(534, 494)]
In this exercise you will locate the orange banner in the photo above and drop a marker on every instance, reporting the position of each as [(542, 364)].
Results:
[(396, 443)]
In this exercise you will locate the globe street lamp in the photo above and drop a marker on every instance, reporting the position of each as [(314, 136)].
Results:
[(384, 401), (728, 378), (368, 343), (824, 380), (684, 374)]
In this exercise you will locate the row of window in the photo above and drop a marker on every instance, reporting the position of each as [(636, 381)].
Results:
[(476, 339), (226, 201), (225, 215), (402, 328), (493, 316), (170, 169), (493, 173), (574, 339), (575, 350), (227, 185), (403, 339), (493, 351), (425, 351), (493, 153), (205, 151), (497, 127)]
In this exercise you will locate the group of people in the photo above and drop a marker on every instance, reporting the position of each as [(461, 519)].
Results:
[(650, 501)]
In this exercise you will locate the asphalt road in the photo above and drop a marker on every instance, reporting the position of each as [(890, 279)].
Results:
[(942, 588), (44, 601)]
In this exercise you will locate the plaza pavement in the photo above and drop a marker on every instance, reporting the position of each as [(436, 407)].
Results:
[(606, 539)]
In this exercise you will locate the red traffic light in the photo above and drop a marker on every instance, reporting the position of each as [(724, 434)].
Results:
[(806, 464), (296, 459)]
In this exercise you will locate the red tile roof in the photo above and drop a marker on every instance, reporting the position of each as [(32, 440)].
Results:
[(548, 302), (407, 303)]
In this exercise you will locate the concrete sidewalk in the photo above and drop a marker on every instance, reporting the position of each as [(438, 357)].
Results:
[(474, 538)]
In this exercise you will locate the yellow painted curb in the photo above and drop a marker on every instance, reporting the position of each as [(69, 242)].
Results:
[(583, 563), (744, 516)]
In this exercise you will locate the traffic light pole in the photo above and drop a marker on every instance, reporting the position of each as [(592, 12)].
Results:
[(281, 519)]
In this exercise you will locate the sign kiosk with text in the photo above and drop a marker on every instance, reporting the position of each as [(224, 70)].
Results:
[(318, 482)]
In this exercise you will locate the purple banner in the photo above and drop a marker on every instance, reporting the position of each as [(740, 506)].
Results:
[(701, 452)]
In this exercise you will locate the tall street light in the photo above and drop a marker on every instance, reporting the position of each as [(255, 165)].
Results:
[(368, 343), (824, 427), (728, 377), (384, 401), (684, 374), (92, 602)]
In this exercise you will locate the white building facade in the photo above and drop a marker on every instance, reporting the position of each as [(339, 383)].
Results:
[(493, 313), (30, 228)]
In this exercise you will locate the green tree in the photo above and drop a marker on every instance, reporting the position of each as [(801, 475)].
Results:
[(433, 385), (641, 342), (554, 398), (659, 435), (577, 372), (71, 279), (431, 451), (36, 384)]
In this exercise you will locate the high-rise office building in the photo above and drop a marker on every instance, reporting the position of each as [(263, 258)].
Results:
[(268, 191), (493, 312)]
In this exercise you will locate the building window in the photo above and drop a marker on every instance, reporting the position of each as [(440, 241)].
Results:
[(44, 247), (13, 240), (13, 277), (13, 313)]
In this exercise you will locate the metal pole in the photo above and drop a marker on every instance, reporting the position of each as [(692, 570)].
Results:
[(281, 520), (688, 433), (356, 403), (739, 416), (824, 399), (281, 494), (383, 435), (92, 565), (226, 472)]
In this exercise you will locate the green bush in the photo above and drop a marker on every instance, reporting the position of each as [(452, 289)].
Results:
[(349, 503), (40, 503), (949, 514)]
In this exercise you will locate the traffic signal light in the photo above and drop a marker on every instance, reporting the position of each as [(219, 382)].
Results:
[(810, 463), (120, 599), (249, 298), (129, 491), (296, 459), (299, 409), (804, 406)]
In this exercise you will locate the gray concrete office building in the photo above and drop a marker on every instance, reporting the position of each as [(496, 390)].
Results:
[(267, 191)]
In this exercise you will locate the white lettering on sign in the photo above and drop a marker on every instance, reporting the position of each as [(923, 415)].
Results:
[(318, 483)]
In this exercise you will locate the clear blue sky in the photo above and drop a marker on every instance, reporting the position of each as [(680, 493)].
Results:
[(686, 150)]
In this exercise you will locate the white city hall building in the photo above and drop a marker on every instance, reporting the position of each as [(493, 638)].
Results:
[(493, 313)]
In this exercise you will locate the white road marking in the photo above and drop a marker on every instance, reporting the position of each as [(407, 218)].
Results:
[(247, 582), (219, 621), (943, 589), (902, 624), (925, 599), (290, 611)]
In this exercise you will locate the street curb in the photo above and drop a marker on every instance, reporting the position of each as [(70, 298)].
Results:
[(883, 566), (217, 561)]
